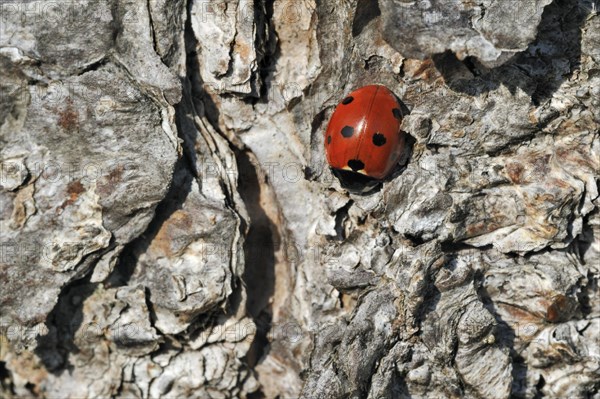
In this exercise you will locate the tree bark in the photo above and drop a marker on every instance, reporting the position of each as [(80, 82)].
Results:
[(170, 227)]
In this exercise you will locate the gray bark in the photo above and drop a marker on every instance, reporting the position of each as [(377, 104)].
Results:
[(170, 228)]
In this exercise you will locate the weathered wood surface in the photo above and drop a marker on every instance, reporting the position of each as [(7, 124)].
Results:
[(170, 228)]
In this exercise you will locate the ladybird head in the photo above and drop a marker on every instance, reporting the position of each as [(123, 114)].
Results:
[(356, 183)]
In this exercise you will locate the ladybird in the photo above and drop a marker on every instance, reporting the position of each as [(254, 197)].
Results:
[(363, 141)]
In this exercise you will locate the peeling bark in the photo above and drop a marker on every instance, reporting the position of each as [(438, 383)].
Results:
[(169, 227)]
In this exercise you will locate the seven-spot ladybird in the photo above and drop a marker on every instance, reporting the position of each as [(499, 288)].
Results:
[(363, 141)]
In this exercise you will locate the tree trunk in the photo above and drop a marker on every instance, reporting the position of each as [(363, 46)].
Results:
[(170, 227)]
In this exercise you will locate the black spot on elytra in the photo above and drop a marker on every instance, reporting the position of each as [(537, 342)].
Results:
[(347, 131), (397, 114), (379, 139), (347, 100), (328, 139), (356, 164)]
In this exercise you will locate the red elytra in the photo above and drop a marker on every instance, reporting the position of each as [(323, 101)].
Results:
[(363, 136)]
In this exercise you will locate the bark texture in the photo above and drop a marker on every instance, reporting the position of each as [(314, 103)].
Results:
[(169, 227)]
